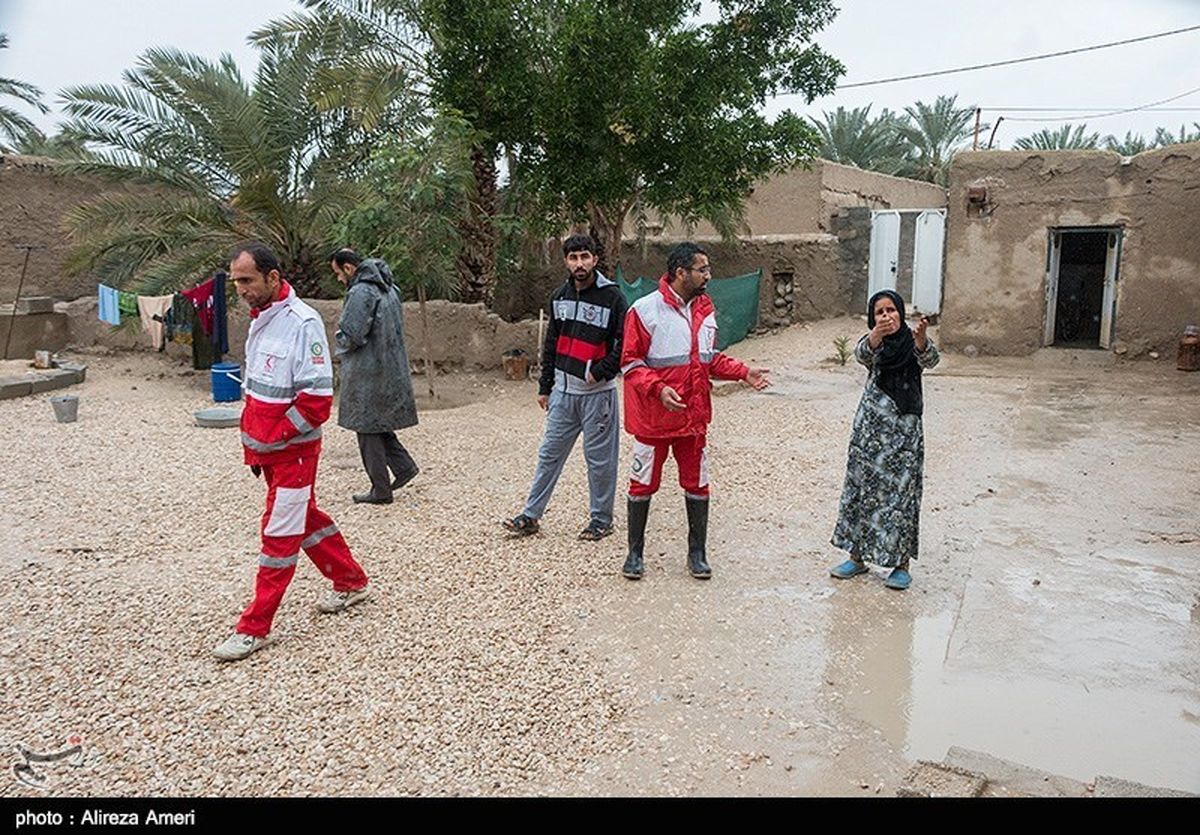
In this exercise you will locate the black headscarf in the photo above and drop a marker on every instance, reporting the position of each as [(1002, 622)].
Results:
[(899, 372)]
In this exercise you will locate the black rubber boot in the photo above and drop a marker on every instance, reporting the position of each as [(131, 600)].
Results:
[(635, 520), (697, 513)]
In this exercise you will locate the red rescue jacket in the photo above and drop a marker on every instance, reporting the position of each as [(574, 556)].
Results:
[(666, 344), (288, 382)]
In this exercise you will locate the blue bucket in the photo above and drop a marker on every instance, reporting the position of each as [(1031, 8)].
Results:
[(226, 382)]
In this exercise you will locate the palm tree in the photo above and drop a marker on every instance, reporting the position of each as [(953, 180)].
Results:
[(13, 126), (935, 133), (1132, 145), (1066, 138), (214, 160), (64, 145), (1163, 136), (852, 137), (409, 47)]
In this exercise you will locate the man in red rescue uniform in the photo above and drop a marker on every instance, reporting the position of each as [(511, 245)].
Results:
[(669, 355), (288, 382)]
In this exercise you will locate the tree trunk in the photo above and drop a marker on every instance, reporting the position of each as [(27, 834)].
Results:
[(477, 259), (606, 228), (428, 348)]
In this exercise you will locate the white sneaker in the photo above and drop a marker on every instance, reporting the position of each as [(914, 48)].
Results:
[(336, 601), (238, 645)]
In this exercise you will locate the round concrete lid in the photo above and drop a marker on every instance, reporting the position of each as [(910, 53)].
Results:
[(216, 417)]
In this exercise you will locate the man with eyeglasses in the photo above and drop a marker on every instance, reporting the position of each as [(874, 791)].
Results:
[(669, 355)]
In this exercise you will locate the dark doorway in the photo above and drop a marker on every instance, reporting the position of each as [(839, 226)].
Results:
[(1080, 289)]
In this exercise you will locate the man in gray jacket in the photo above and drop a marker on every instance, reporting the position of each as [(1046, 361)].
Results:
[(376, 395)]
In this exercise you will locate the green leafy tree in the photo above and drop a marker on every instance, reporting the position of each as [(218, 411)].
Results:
[(600, 109), (217, 160), (420, 191), (14, 127), (644, 108), (1066, 138), (1132, 145), (935, 132), (852, 137)]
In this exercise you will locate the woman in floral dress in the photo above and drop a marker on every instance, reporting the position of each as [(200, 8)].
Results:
[(879, 516)]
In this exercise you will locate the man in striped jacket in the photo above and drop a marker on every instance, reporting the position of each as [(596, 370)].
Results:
[(669, 355), (288, 382), (581, 358)]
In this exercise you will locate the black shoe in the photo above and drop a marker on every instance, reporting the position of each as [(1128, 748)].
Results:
[(405, 479), (635, 516), (522, 525), (697, 513), (371, 498), (595, 531)]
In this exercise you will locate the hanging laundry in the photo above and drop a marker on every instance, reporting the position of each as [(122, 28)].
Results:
[(202, 299), (127, 304), (182, 316), (152, 310), (110, 309), (202, 348), (220, 332)]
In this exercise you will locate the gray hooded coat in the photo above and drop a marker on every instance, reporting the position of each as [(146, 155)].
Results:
[(376, 389)]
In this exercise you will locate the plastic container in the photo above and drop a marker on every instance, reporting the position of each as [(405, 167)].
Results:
[(66, 407), (226, 382)]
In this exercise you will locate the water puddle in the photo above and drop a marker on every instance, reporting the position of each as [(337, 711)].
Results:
[(903, 682)]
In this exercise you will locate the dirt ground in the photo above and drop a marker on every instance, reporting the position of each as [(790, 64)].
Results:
[(1054, 617)]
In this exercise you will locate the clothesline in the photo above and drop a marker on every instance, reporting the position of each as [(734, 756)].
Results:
[(176, 317)]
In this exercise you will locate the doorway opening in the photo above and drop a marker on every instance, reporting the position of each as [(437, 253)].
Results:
[(1082, 274)]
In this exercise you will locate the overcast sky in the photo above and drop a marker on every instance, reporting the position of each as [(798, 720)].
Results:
[(60, 43)]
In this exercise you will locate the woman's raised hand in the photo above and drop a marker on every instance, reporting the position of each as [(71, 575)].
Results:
[(884, 326)]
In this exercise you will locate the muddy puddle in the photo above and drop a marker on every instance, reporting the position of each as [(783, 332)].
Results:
[(904, 682)]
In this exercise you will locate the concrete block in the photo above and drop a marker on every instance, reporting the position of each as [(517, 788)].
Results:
[(77, 368), (928, 779), (35, 304), (54, 379), (1116, 787), (1015, 778), (14, 387)]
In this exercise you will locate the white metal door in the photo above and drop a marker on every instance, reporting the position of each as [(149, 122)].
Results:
[(885, 251), (1053, 258), (927, 261), (1108, 312)]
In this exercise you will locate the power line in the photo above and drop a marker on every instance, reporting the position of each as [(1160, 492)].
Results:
[(1017, 60), (1083, 109), (1102, 115)]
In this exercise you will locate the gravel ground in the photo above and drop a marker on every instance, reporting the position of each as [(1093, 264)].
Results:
[(129, 550), (488, 666)]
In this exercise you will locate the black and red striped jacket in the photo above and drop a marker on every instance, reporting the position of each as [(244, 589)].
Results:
[(584, 337)]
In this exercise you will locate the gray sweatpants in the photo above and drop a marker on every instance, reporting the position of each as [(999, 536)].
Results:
[(597, 416)]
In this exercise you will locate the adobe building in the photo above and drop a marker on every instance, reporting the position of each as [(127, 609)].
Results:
[(1079, 249), (809, 231)]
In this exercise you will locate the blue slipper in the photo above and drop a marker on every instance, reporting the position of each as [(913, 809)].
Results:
[(848, 569), (898, 579)]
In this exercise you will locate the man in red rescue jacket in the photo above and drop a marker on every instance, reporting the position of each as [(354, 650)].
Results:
[(289, 391), (668, 357)]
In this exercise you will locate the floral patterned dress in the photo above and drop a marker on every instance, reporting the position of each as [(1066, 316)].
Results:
[(880, 512)]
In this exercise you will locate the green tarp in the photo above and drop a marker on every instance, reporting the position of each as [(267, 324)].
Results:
[(736, 301)]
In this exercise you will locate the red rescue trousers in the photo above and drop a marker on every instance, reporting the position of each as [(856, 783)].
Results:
[(649, 454), (293, 522)]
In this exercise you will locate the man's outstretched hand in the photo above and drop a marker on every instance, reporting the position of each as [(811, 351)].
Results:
[(757, 378)]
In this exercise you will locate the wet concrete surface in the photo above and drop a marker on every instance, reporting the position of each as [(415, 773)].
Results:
[(1054, 618)]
